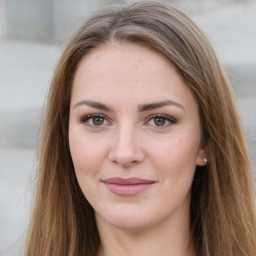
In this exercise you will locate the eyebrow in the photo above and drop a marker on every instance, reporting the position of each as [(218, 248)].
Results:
[(141, 108), (154, 105), (94, 104)]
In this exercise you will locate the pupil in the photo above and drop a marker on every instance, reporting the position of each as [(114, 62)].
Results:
[(97, 120), (159, 121)]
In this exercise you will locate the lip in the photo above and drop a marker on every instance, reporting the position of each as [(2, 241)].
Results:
[(128, 187)]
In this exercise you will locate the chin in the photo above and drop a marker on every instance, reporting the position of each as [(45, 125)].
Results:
[(131, 225), (129, 220)]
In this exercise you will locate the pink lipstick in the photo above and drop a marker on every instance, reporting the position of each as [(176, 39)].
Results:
[(127, 187)]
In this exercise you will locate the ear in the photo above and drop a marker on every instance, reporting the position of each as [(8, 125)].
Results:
[(201, 159)]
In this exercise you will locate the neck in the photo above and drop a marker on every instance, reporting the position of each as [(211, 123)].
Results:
[(167, 239)]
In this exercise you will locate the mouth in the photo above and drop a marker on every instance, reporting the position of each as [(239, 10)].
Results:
[(128, 187)]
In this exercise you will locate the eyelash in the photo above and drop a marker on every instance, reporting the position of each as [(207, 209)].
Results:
[(86, 118), (171, 120)]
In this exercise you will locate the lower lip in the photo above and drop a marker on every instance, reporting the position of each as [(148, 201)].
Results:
[(128, 189)]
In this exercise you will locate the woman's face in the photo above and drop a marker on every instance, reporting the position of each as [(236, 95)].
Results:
[(134, 135)]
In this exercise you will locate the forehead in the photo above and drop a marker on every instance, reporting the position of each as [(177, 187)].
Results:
[(128, 71), (123, 57)]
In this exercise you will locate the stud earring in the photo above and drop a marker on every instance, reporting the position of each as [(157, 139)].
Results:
[(205, 160)]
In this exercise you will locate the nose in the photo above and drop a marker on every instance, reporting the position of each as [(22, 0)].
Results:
[(126, 150)]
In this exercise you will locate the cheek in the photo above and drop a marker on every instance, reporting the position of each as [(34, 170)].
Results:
[(87, 162), (178, 148), (184, 150), (176, 158), (87, 154)]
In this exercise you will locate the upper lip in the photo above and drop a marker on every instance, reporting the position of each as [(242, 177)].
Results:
[(127, 181)]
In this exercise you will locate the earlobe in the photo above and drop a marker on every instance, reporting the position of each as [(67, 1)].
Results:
[(201, 158)]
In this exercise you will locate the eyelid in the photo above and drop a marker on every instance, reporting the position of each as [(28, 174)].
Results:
[(170, 119), (85, 119)]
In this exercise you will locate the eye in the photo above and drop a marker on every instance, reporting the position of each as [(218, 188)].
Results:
[(161, 121), (95, 120)]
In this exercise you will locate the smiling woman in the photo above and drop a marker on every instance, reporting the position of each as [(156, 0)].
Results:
[(136, 153), (142, 151)]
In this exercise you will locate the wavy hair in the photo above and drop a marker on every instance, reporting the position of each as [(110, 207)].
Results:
[(222, 210)]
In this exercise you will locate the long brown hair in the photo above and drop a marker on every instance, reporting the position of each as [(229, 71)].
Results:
[(222, 212)]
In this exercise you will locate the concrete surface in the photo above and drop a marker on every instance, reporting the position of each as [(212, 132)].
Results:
[(25, 73)]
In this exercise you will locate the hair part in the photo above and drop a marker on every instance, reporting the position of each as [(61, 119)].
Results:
[(222, 210)]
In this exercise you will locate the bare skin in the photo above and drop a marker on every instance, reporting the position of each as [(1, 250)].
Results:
[(133, 119)]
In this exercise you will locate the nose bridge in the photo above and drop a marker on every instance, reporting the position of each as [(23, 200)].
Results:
[(125, 141), (126, 149)]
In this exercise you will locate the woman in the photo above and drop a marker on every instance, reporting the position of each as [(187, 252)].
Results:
[(142, 151)]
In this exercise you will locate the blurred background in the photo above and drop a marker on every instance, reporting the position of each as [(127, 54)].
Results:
[(32, 35)]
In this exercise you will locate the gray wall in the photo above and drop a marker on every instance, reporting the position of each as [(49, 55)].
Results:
[(1, 17), (29, 19), (50, 21)]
